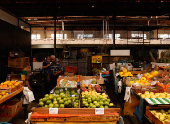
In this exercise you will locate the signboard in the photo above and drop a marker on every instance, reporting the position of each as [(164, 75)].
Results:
[(96, 59)]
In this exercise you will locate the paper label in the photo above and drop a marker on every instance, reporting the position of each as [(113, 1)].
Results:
[(153, 66), (153, 83), (61, 90), (73, 95), (65, 88), (53, 110), (99, 110), (117, 74)]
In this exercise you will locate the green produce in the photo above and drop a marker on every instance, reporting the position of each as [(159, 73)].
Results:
[(41, 103), (56, 106), (50, 105), (48, 102)]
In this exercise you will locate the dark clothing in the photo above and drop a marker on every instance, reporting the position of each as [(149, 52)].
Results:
[(47, 70), (53, 69), (45, 75)]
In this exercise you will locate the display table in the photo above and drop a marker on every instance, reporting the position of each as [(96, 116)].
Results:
[(9, 119), (75, 115)]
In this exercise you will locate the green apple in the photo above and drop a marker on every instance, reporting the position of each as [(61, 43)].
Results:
[(66, 103), (86, 104), (93, 98), (101, 107), (55, 102), (97, 99), (111, 105), (106, 103), (59, 98), (41, 100), (97, 105), (69, 101), (44, 99), (61, 101), (48, 102), (46, 106), (41, 103), (93, 106), (101, 103), (51, 105), (94, 102), (106, 106), (61, 105), (108, 100), (89, 101), (46, 95), (56, 106)]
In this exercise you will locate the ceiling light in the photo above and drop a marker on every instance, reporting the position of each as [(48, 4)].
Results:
[(92, 6), (29, 19)]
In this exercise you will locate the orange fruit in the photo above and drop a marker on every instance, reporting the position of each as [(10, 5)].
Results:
[(5, 82), (5, 85), (9, 84), (2, 83), (0, 96), (3, 93), (13, 86), (13, 82)]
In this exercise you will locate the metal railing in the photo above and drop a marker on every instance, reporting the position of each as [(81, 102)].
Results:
[(120, 34)]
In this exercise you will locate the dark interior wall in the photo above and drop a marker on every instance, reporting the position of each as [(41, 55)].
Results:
[(12, 37)]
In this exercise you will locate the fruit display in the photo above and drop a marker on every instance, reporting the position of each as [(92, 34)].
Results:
[(125, 73), (162, 115), (11, 84), (3, 94), (90, 88), (96, 71), (61, 99), (93, 99), (148, 94), (67, 83), (87, 82)]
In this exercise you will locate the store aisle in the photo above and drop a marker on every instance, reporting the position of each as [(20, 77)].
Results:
[(116, 101)]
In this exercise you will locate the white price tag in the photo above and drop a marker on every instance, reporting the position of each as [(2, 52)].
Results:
[(53, 110), (153, 83), (65, 88), (99, 110), (73, 95), (61, 90), (153, 66), (117, 74)]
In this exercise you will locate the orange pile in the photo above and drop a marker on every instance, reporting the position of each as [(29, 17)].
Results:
[(11, 84), (3, 94)]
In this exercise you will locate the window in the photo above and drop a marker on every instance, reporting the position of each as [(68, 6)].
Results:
[(163, 36), (83, 36), (35, 36), (110, 36), (138, 36), (59, 36)]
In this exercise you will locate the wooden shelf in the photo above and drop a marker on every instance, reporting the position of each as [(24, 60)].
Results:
[(9, 119), (11, 95)]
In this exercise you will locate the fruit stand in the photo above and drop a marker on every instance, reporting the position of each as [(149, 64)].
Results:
[(69, 104), (150, 89)]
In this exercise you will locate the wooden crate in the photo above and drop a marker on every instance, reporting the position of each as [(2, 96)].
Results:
[(76, 115), (152, 117), (10, 90)]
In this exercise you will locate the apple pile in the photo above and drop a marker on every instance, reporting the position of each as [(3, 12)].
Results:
[(61, 99), (148, 94), (90, 88), (162, 115), (93, 99)]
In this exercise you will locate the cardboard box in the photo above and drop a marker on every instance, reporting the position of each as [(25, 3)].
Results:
[(18, 62), (11, 62), (100, 81), (70, 74), (10, 108)]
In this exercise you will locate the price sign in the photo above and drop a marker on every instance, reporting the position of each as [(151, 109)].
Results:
[(99, 110), (61, 90), (53, 110)]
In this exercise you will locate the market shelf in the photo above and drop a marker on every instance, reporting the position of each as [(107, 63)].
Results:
[(160, 64), (9, 119), (11, 95)]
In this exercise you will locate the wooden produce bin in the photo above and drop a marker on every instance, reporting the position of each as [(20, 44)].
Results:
[(152, 117), (75, 115), (66, 78)]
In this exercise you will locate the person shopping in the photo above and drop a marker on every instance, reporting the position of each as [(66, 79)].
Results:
[(55, 71)]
